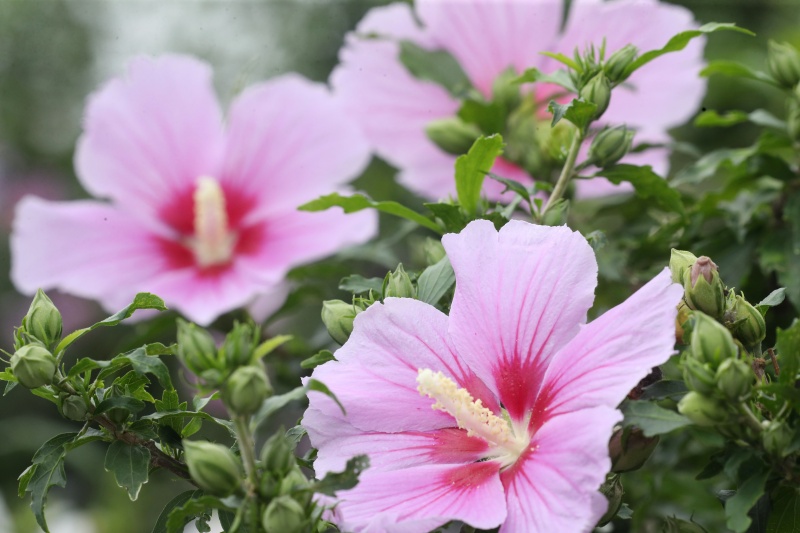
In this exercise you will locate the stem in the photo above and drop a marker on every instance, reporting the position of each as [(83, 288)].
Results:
[(247, 448), (750, 418), (566, 172)]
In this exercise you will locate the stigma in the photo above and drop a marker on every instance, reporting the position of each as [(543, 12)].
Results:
[(213, 242)]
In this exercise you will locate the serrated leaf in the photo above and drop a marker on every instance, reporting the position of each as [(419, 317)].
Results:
[(774, 298), (319, 358), (361, 285), (651, 418), (451, 216), (359, 202), (732, 68), (579, 112), (471, 170), (647, 184), (47, 472), (177, 501), (126, 403), (130, 466), (270, 345), (344, 480), (747, 495), (142, 364), (785, 514), (788, 348), (435, 281), (25, 478), (514, 186), (316, 385), (437, 66), (275, 403)]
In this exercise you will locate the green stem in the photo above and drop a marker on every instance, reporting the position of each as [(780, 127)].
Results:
[(750, 418), (566, 172), (247, 448)]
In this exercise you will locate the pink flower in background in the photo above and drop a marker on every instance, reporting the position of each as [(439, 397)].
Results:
[(489, 36), (524, 392), (200, 212)]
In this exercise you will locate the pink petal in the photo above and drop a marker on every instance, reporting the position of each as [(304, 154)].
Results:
[(151, 134), (376, 370), (290, 142), (85, 248), (266, 304), (521, 294), (555, 487), (613, 353), (424, 497)]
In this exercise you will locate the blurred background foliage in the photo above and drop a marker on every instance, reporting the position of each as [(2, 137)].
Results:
[(53, 54)]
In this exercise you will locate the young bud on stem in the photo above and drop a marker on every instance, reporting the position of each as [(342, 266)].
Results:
[(196, 348), (704, 289), (679, 262), (629, 449), (338, 317), (277, 455), (239, 345), (284, 515), (783, 61), (398, 284), (610, 145), (213, 467), (734, 379), (43, 320), (712, 343), (702, 410), (598, 91), (246, 389), (619, 61), (33, 365), (749, 327)]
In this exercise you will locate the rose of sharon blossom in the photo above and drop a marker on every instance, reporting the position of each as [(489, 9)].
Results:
[(500, 413), (489, 37), (200, 211)]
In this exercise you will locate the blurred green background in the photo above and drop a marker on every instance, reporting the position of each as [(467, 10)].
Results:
[(55, 53)]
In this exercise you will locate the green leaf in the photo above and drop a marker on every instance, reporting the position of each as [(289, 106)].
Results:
[(46, 471), (788, 348), (127, 403), (435, 281), (451, 216), (666, 388), (647, 184), (275, 403), (358, 202), (471, 170), (774, 298), (269, 345), (130, 466), (316, 385), (679, 42), (566, 60), (142, 364), (25, 478), (578, 111), (437, 66), (361, 285), (651, 418), (559, 77), (319, 358), (758, 117), (785, 514), (177, 501), (193, 508), (738, 70), (514, 186), (708, 165), (748, 494), (344, 480)]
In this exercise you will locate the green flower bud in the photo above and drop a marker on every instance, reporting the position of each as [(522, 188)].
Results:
[(679, 262), (239, 345), (213, 467), (613, 491), (793, 119), (398, 284), (734, 378), (749, 326), (433, 250), (610, 145), (73, 408), (284, 515), (783, 61), (33, 365), (702, 410), (619, 61), (452, 134), (704, 289), (246, 389), (629, 449), (712, 343), (43, 320), (776, 438), (269, 485), (505, 89), (683, 316), (294, 481), (277, 455), (196, 348), (598, 91), (118, 415), (699, 376), (338, 317)]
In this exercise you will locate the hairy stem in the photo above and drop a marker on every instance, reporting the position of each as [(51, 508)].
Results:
[(247, 449), (566, 172)]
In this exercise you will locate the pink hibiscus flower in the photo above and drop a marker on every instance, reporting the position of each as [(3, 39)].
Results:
[(488, 37), (201, 213), (501, 412)]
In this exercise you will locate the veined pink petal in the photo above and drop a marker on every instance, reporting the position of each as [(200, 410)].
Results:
[(289, 142), (555, 487), (151, 134), (521, 295), (613, 353)]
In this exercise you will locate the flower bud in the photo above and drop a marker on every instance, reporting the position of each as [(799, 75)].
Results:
[(712, 343), (613, 491), (749, 326), (734, 378), (284, 515), (783, 61), (452, 134), (277, 456), (699, 376), (679, 262), (43, 320), (619, 61), (704, 288), (338, 317), (598, 91), (433, 250), (196, 348), (213, 467), (610, 145), (73, 408), (630, 451), (683, 316), (776, 438), (239, 345), (33, 366), (702, 410), (246, 389), (294, 481), (398, 284)]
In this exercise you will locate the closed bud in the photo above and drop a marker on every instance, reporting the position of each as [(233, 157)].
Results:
[(679, 262), (613, 491), (629, 449), (33, 366), (433, 250), (683, 316), (269, 485), (213, 467), (702, 410), (776, 438), (783, 61), (43, 320), (703, 287), (699, 376), (398, 285), (277, 456), (73, 408), (196, 348), (452, 134), (749, 326), (712, 343), (338, 317), (284, 515), (239, 345), (619, 61), (598, 91), (610, 145), (734, 379), (293, 482), (246, 389)]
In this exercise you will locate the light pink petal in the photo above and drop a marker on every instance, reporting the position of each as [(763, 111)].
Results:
[(424, 497), (614, 352), (84, 248), (289, 142), (375, 375), (150, 134), (521, 294), (267, 303), (555, 487)]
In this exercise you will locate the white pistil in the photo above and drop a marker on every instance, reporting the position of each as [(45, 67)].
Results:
[(212, 242)]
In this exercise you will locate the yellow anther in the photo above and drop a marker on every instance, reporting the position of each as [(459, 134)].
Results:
[(212, 242)]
